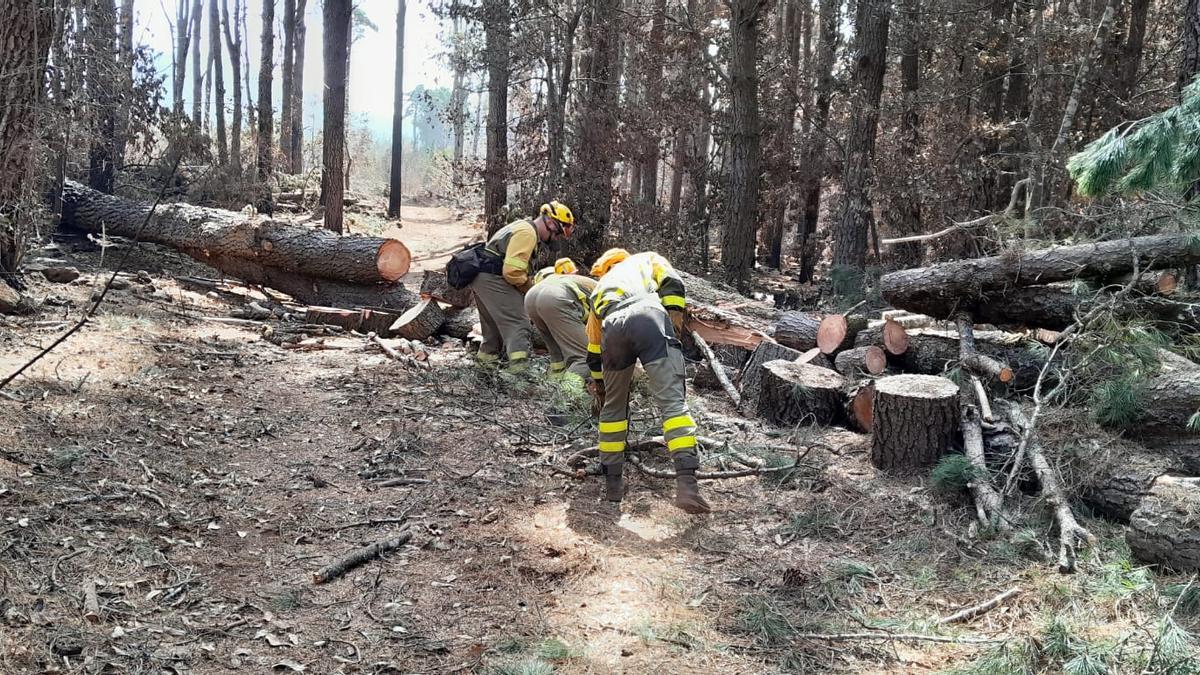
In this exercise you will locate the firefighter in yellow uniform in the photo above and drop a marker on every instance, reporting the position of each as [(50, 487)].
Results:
[(499, 297), (636, 314), (558, 306)]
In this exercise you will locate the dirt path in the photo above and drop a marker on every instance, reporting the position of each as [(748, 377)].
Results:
[(199, 475)]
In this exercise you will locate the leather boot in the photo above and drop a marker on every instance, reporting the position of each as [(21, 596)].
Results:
[(614, 484), (687, 490)]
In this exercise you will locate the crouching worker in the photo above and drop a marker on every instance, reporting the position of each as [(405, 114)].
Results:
[(499, 296), (636, 314), (558, 306)]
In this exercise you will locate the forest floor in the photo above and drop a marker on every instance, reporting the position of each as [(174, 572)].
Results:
[(197, 476)]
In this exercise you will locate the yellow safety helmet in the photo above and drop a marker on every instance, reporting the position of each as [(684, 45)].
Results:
[(541, 275), (558, 211), (565, 266), (606, 261)]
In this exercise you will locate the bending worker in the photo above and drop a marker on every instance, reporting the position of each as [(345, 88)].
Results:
[(636, 315), (558, 306), (499, 297)]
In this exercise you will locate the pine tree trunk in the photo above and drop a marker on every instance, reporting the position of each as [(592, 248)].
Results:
[(458, 103), (781, 145), (287, 75), (333, 140), (812, 166), (857, 219), (297, 125), (101, 82), (214, 44), (125, 79), (233, 41), (197, 66), (397, 164), (905, 214), (1131, 53), (24, 50), (266, 119), (497, 54), (1165, 529), (1190, 64), (916, 419), (741, 208), (179, 65), (653, 98)]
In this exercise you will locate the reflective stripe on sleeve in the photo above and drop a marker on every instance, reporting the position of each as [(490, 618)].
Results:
[(674, 301)]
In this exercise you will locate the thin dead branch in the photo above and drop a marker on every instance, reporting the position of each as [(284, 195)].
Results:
[(717, 369), (360, 556), (968, 613)]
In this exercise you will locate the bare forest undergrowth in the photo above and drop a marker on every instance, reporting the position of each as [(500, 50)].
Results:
[(170, 484)]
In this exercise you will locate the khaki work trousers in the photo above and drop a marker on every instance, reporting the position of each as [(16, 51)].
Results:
[(502, 318), (643, 332), (558, 315)]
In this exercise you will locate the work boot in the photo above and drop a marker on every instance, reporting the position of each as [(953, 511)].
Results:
[(614, 484), (687, 490), (518, 366)]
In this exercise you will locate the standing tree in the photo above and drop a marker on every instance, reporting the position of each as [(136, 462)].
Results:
[(101, 84), (233, 40), (197, 67), (856, 219), (214, 45), (394, 179), (296, 152), (496, 28), (124, 80), (24, 50), (783, 131), (287, 74), (813, 164), (183, 36), (741, 209), (1190, 65), (265, 115), (336, 42)]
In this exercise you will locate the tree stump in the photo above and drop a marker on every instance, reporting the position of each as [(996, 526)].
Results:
[(377, 321), (837, 332), (794, 393), (860, 406), (434, 285), (461, 323), (916, 421), (752, 372), (853, 362), (421, 321), (797, 330), (1165, 528)]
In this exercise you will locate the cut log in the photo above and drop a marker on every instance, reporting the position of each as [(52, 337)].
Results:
[(724, 298), (377, 321), (214, 235), (796, 393), (891, 335), (1170, 401), (916, 421), (434, 285), (751, 381), (933, 352), (837, 332), (1056, 306), (861, 406), (1114, 484), (797, 330), (947, 288), (1165, 528), (316, 291), (814, 357), (461, 324), (350, 319), (854, 362), (720, 327), (421, 321)]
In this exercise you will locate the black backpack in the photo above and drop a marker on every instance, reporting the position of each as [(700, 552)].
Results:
[(465, 265)]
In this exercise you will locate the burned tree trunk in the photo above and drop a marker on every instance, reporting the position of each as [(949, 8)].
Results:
[(945, 289), (1165, 528), (795, 393), (916, 421), (266, 120)]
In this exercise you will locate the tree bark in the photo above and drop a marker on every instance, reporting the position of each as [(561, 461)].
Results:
[(795, 393), (797, 330), (752, 372), (741, 208), (1189, 65), (780, 163), (333, 140), (916, 420), (1055, 308), (421, 321), (905, 214), (205, 234), (233, 41), (1115, 483), (1165, 529), (297, 125), (497, 54), (397, 165), (857, 219), (102, 81), (183, 38), (287, 75), (852, 362), (197, 67), (813, 163), (125, 78), (266, 120), (214, 37), (458, 105), (653, 99), (932, 353), (943, 289)]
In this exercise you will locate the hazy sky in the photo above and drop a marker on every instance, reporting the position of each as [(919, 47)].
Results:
[(372, 64)]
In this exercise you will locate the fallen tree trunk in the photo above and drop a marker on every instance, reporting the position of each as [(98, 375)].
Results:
[(460, 323), (838, 331), (1055, 307), (852, 362), (703, 292), (1115, 484), (932, 352), (795, 393), (1165, 528), (916, 421), (314, 291), (420, 321), (962, 286), (214, 235), (797, 330), (434, 285), (891, 335), (367, 320)]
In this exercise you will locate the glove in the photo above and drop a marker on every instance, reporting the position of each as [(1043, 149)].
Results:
[(677, 323)]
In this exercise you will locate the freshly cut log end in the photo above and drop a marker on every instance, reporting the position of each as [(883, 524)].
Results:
[(988, 367), (916, 421), (393, 260), (796, 393), (752, 372), (837, 332), (1165, 528), (895, 337), (861, 408), (852, 362), (421, 321), (798, 330)]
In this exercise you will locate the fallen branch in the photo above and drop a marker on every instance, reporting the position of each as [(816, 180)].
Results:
[(982, 608), (711, 475), (402, 358), (717, 369), (988, 503), (91, 603), (985, 406), (396, 482), (897, 637), (965, 225), (360, 556)]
